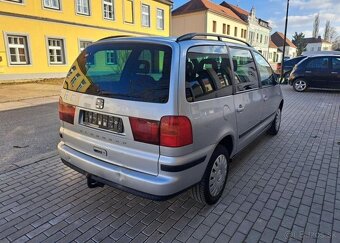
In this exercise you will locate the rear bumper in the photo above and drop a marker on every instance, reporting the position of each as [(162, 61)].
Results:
[(166, 184)]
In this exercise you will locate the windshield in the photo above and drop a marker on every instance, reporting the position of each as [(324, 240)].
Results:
[(132, 71)]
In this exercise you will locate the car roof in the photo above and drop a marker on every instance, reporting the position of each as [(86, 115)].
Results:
[(323, 55), (171, 41)]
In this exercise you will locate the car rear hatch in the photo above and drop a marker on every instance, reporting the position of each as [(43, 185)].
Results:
[(112, 100)]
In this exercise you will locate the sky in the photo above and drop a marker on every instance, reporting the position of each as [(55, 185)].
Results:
[(301, 13)]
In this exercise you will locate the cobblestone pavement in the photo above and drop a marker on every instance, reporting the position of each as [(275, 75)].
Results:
[(283, 188)]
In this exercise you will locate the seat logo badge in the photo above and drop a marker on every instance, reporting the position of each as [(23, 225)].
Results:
[(100, 103)]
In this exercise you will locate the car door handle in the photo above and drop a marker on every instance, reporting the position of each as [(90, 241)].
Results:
[(308, 71), (240, 108)]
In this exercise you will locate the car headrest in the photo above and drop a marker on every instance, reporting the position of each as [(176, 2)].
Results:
[(208, 61), (235, 65), (190, 71), (143, 67)]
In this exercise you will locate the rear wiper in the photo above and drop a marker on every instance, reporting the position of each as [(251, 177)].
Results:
[(116, 95)]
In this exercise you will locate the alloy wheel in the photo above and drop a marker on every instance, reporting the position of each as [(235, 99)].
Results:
[(300, 85), (218, 175)]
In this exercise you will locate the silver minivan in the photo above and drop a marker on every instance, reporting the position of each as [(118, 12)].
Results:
[(156, 116)]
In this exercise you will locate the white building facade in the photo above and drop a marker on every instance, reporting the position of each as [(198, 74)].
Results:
[(317, 44), (258, 30), (258, 33)]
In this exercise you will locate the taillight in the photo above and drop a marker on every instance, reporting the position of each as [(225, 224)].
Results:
[(176, 131), (171, 131), (144, 130), (66, 111)]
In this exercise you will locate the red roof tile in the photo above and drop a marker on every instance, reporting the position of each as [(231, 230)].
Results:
[(278, 38), (202, 5), (272, 45), (243, 14)]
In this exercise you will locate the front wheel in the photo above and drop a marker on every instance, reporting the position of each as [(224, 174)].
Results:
[(300, 85), (275, 126), (210, 188)]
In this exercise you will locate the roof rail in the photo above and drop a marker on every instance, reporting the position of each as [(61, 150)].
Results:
[(190, 36), (114, 36)]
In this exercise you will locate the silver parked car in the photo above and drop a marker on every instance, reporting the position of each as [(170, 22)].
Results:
[(156, 116)]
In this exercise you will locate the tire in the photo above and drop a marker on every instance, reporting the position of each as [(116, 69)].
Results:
[(217, 172), (300, 85), (275, 126)]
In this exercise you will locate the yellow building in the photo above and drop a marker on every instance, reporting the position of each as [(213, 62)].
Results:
[(207, 17), (42, 38)]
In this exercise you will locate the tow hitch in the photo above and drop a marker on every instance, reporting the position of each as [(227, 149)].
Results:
[(92, 183)]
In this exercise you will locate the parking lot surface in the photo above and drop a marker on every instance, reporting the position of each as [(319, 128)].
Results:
[(282, 188)]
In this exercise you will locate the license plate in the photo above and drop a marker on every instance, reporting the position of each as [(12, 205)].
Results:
[(98, 120)]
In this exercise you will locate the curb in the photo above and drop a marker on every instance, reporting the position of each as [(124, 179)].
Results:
[(27, 81), (17, 104), (27, 162)]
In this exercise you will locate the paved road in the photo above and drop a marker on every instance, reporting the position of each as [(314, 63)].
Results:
[(28, 133), (283, 188)]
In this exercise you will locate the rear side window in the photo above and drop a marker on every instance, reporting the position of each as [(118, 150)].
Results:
[(208, 73), (320, 63), (265, 70), (336, 64), (139, 72), (244, 69)]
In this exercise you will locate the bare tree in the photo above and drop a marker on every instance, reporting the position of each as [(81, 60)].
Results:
[(336, 44), (326, 35), (332, 34), (316, 26)]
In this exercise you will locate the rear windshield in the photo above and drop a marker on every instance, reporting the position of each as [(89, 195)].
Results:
[(129, 71)]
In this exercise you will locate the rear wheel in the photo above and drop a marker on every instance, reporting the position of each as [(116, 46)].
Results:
[(275, 127), (300, 85), (210, 188)]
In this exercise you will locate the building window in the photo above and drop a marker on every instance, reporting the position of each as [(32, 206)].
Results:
[(244, 34), (145, 15), (214, 26), (83, 7), (224, 29), (15, 1), (261, 39), (108, 10), (128, 12), (84, 44), (53, 4), (235, 32), (56, 51), (160, 19), (18, 50), (111, 57), (228, 29)]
